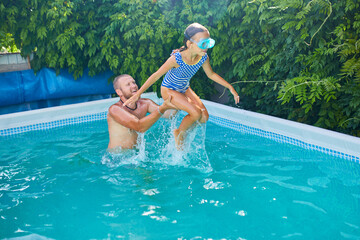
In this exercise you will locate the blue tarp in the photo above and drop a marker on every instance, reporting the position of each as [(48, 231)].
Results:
[(46, 89)]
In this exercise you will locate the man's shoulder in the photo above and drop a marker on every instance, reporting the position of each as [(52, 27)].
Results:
[(146, 101), (115, 107)]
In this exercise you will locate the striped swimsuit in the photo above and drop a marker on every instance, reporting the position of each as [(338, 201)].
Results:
[(178, 79)]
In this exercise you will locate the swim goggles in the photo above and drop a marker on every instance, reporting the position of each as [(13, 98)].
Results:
[(203, 43)]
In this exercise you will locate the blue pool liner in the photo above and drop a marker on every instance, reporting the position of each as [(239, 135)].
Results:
[(23, 90)]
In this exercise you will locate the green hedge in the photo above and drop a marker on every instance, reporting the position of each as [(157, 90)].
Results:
[(289, 58)]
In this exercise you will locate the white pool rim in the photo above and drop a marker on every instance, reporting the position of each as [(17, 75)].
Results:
[(278, 129)]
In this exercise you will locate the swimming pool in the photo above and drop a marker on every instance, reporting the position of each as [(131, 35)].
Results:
[(60, 183)]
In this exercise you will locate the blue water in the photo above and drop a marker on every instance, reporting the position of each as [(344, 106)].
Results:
[(62, 184)]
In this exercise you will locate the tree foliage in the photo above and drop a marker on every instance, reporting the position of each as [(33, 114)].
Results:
[(296, 59)]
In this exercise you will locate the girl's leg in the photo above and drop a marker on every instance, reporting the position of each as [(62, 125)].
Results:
[(198, 103), (183, 103)]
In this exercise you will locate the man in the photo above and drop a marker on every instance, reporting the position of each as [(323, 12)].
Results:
[(125, 121)]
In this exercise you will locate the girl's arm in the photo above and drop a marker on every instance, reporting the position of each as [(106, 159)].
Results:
[(170, 63), (216, 78)]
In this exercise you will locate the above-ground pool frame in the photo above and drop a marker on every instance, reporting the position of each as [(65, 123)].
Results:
[(280, 130)]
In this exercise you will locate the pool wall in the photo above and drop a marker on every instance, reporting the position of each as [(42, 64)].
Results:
[(248, 122)]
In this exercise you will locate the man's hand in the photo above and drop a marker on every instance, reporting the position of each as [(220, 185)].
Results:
[(167, 105), (131, 100)]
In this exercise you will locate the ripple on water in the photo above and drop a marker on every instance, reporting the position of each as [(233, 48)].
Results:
[(312, 205), (210, 184), (289, 168), (319, 181), (32, 236)]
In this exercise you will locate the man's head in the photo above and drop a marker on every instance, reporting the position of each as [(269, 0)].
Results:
[(125, 86)]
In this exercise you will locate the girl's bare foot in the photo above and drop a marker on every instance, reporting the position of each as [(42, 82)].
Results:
[(179, 138)]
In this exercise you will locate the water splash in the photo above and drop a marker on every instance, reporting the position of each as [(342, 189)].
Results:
[(157, 146), (119, 157), (193, 153)]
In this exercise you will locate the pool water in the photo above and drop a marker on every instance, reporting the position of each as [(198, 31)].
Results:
[(62, 184)]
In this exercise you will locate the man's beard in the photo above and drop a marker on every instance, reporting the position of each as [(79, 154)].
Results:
[(128, 95)]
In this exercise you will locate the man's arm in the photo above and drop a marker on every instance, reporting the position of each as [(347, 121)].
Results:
[(152, 106), (128, 120)]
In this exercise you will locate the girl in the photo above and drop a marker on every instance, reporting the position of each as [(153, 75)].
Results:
[(179, 69)]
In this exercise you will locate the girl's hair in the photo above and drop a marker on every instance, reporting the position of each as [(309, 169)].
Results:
[(190, 31)]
